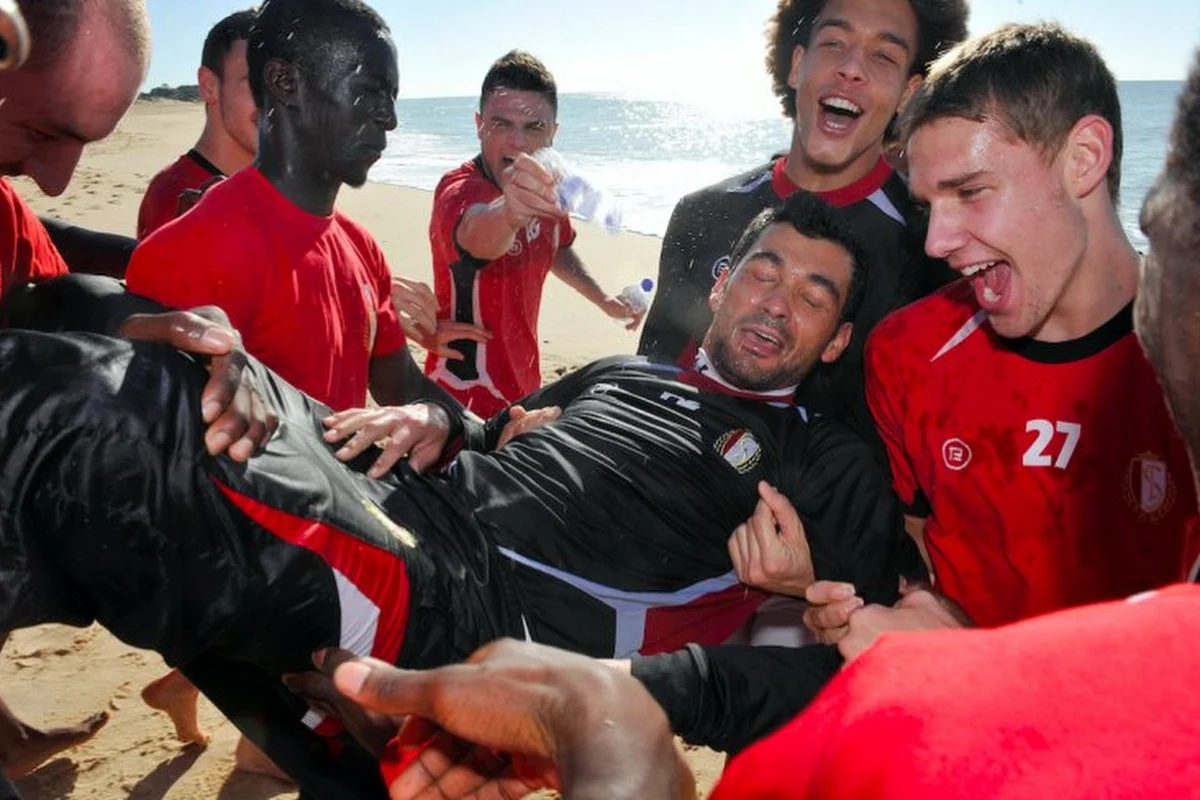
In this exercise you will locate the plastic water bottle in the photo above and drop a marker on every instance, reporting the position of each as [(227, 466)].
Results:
[(637, 297), (579, 196)]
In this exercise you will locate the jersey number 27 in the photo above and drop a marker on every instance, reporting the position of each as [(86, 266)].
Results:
[(1041, 452)]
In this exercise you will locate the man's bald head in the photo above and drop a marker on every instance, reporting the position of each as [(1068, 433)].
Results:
[(88, 58), (54, 26)]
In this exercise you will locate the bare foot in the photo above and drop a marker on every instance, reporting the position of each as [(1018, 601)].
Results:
[(249, 758), (175, 695), (35, 747)]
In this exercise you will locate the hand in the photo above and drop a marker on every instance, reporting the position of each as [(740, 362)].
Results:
[(521, 422), (417, 308), (917, 610), (240, 421), (617, 308), (769, 550), (530, 190), (570, 722), (418, 430), (830, 605)]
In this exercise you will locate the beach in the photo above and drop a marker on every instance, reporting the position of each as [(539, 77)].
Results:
[(55, 675)]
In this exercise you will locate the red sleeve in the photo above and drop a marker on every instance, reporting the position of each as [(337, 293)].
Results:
[(455, 194), (566, 234), (184, 266), (886, 387), (26, 253), (159, 205)]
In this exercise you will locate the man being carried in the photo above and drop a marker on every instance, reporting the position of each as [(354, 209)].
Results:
[(230, 136), (237, 573)]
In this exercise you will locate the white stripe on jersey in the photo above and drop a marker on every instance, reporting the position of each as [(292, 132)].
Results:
[(630, 607), (360, 624), (884, 203), (964, 333)]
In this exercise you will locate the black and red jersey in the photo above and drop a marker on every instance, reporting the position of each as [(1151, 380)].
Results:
[(707, 224)]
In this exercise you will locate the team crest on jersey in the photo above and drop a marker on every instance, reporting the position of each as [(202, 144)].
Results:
[(1149, 487), (720, 265), (740, 449), (956, 454)]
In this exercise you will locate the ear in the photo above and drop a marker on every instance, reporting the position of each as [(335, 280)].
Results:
[(479, 124), (282, 81), (553, 133), (838, 344), (1087, 154), (208, 81), (794, 73), (910, 89), (718, 289)]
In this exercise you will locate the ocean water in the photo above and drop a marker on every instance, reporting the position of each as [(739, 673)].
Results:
[(648, 153)]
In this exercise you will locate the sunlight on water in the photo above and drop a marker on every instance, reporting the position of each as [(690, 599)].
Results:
[(649, 153)]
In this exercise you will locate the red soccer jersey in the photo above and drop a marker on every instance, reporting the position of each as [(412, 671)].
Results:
[(503, 296), (1087, 703), (160, 204), (1052, 472), (310, 295), (26, 253)]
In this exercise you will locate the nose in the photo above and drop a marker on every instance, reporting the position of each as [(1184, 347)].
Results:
[(946, 232), (852, 67), (52, 165), (775, 303), (387, 115)]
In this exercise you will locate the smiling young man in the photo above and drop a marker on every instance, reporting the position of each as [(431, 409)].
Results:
[(230, 136), (497, 231), (1020, 414), (842, 69)]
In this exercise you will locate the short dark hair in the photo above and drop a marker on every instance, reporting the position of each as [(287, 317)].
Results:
[(1036, 80), (519, 71), (941, 24), (220, 40), (812, 217), (303, 32)]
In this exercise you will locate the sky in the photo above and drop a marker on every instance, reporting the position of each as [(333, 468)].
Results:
[(704, 51)]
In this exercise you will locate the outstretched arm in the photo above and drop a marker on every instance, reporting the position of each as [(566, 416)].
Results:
[(569, 268)]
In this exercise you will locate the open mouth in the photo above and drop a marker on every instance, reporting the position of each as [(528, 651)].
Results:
[(839, 113), (762, 341), (991, 281)]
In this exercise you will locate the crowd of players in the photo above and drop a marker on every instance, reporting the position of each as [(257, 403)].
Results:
[(821, 413)]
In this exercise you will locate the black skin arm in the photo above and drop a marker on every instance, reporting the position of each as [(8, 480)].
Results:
[(90, 252)]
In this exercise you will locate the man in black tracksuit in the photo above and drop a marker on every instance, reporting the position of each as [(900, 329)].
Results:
[(604, 532)]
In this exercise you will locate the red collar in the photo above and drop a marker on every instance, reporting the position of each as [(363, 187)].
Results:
[(855, 192)]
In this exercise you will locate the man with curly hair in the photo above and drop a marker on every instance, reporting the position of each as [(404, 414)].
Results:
[(842, 69)]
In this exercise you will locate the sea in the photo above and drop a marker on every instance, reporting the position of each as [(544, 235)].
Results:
[(646, 154)]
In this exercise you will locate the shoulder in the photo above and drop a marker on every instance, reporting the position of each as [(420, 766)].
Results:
[(921, 330), (466, 179), (745, 187)]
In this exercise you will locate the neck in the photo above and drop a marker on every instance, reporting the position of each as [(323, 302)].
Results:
[(312, 190), (1103, 284), (810, 178), (706, 367), (221, 150)]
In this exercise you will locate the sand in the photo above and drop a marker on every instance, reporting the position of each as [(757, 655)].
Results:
[(55, 675)]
